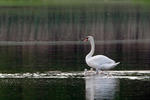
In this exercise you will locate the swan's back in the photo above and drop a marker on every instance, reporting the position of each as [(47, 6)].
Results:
[(99, 60)]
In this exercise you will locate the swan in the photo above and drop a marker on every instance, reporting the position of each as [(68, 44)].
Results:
[(98, 62)]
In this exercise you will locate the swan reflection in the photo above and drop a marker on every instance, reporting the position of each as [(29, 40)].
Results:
[(100, 88)]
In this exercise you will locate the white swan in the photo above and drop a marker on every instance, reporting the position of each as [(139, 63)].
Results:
[(99, 62)]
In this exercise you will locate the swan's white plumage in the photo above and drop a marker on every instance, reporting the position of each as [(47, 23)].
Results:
[(99, 61)]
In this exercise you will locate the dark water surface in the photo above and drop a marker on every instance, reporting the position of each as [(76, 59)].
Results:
[(98, 88), (71, 57), (42, 89), (90, 88)]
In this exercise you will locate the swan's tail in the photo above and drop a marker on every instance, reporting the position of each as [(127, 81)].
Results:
[(117, 63)]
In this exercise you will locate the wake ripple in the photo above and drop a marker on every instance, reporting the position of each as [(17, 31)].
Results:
[(139, 75)]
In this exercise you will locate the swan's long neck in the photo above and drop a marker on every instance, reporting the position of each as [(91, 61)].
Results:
[(92, 49)]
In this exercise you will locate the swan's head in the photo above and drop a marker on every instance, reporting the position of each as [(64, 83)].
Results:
[(88, 38)]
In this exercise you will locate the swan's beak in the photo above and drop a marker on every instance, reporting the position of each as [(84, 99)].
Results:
[(85, 40)]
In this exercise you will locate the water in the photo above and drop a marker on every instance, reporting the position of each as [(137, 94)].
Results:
[(42, 55), (70, 57), (41, 89), (74, 85), (116, 89)]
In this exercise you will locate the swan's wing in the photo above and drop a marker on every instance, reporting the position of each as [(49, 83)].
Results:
[(109, 66), (101, 59)]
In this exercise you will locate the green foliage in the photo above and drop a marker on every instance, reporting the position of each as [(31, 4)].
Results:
[(71, 3), (142, 2)]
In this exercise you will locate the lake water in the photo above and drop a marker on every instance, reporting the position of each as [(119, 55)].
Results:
[(70, 57), (94, 87), (42, 55)]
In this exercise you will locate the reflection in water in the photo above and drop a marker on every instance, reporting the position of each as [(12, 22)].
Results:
[(98, 88), (33, 58)]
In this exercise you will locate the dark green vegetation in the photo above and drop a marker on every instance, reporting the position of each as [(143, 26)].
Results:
[(70, 3), (49, 24)]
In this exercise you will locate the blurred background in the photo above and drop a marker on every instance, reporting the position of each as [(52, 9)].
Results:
[(42, 55), (45, 35)]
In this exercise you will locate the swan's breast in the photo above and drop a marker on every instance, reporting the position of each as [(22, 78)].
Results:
[(91, 63)]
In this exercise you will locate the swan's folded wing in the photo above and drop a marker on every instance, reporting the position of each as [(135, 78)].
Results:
[(109, 66), (101, 59)]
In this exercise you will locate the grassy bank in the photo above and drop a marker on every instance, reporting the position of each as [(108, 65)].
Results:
[(55, 3)]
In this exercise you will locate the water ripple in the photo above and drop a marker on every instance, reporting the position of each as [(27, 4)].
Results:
[(58, 74)]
